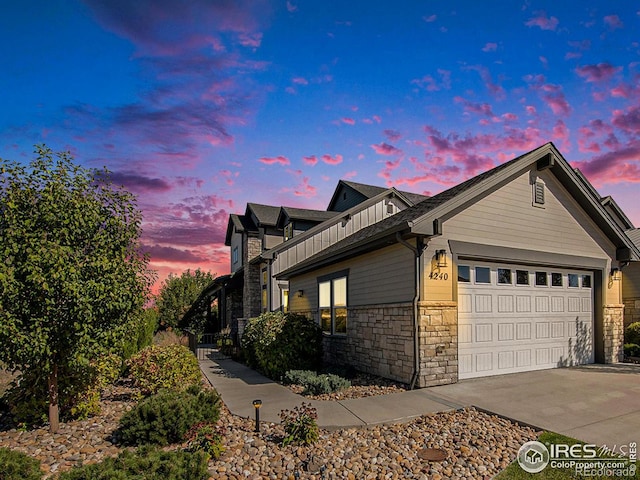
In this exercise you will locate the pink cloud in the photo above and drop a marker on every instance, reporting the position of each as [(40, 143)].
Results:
[(490, 47), (329, 160), (376, 118), (486, 77), (430, 84), (300, 81), (509, 117), (304, 189), (597, 73), (171, 254), (551, 94), (393, 135), (348, 121), (617, 166), (282, 160), (477, 108), (613, 22), (310, 160), (560, 134), (386, 149), (625, 90), (627, 120), (291, 7), (543, 22), (250, 39), (430, 18), (138, 183), (350, 174), (531, 110)]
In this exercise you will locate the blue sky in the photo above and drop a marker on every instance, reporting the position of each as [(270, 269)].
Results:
[(201, 106)]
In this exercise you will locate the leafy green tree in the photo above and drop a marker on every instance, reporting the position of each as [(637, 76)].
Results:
[(71, 270), (177, 295)]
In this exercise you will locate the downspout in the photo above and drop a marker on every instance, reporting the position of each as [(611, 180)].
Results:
[(417, 251)]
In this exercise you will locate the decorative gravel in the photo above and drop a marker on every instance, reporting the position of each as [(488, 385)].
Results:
[(471, 443)]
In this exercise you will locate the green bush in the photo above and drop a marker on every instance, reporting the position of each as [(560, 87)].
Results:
[(147, 464), (207, 438), (141, 333), (276, 342), (300, 426), (79, 391), (632, 333), (631, 350), (166, 417), (171, 367), (16, 465), (314, 383)]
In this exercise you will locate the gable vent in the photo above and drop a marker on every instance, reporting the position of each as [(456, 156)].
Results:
[(538, 193)]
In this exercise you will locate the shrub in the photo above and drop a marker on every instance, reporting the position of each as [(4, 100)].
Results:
[(171, 367), (79, 390), (166, 417), (142, 329), (275, 342), (316, 384), (631, 350), (170, 337), (145, 463), (632, 333), (16, 465), (207, 438), (300, 425)]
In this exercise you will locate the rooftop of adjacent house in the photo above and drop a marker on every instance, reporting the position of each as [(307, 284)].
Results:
[(370, 191), (308, 214), (634, 236), (267, 215)]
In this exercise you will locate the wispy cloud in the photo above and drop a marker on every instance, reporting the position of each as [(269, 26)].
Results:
[(613, 22), (490, 47), (597, 73), (386, 149), (431, 84), (280, 159), (310, 160), (332, 160), (542, 21)]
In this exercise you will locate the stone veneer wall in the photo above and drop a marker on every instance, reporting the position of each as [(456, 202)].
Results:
[(613, 333), (252, 292), (631, 311), (438, 343)]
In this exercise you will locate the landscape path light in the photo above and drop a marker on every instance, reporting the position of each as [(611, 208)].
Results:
[(257, 404)]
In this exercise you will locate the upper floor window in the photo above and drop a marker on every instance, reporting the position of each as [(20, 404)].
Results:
[(332, 303), (288, 231), (235, 255)]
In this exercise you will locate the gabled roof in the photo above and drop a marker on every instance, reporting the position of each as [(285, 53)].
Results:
[(369, 191), (426, 217), (267, 215), (241, 223), (316, 216), (609, 202), (634, 236)]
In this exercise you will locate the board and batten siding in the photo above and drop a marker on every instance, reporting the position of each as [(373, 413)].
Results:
[(236, 242), (631, 281), (384, 276), (300, 250), (507, 218)]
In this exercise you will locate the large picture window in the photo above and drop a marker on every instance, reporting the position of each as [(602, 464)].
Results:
[(332, 303)]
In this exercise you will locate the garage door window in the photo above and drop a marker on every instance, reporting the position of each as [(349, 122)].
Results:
[(586, 281), (556, 279), (483, 275), (541, 279), (464, 273), (522, 277), (504, 276), (573, 280)]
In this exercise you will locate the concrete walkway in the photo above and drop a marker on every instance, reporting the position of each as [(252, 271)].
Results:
[(239, 385), (597, 403)]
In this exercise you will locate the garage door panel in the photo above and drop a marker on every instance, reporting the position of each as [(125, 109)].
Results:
[(505, 328)]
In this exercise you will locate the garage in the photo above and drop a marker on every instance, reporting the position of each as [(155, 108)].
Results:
[(516, 318)]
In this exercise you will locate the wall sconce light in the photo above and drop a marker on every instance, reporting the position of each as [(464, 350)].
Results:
[(615, 273), (257, 404), (441, 258), (300, 293)]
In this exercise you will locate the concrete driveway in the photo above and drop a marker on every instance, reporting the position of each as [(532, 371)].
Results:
[(596, 403)]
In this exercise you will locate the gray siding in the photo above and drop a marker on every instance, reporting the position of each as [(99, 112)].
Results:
[(381, 277), (507, 217), (236, 242), (631, 281)]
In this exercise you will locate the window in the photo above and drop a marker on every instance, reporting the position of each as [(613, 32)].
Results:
[(235, 254), (556, 279), (464, 274), (332, 302), (573, 280), (504, 276), (522, 277), (483, 275), (586, 281), (538, 192), (288, 231), (541, 279), (265, 291), (285, 300)]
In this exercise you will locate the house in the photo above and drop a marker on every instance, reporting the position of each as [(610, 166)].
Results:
[(519, 268), (631, 284)]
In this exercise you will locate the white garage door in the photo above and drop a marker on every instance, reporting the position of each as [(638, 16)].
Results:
[(518, 318)]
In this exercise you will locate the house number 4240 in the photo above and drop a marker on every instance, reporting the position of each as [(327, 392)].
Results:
[(438, 276)]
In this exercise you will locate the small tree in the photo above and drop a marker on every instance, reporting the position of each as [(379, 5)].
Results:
[(71, 271), (178, 293)]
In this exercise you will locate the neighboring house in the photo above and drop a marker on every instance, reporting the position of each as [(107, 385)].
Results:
[(515, 269), (631, 284)]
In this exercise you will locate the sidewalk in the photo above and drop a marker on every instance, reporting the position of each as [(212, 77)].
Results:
[(239, 385)]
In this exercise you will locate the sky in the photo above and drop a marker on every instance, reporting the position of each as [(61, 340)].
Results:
[(201, 106)]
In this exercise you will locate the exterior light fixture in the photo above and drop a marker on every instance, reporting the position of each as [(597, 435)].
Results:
[(300, 293), (615, 273), (441, 258), (257, 404)]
